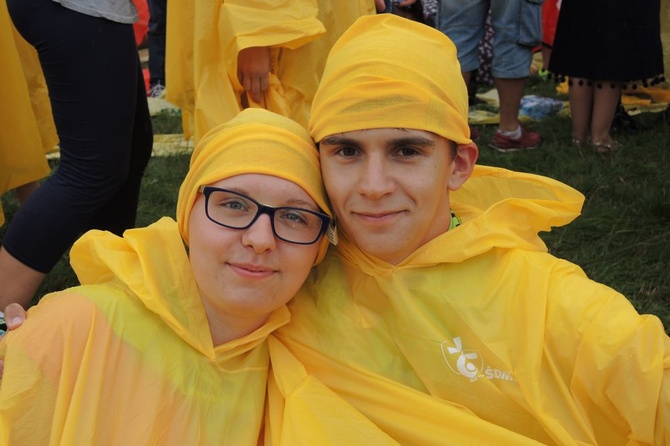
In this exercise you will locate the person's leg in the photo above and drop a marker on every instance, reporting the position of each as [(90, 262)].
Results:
[(19, 281), (463, 22), (119, 213), (77, 54), (581, 109), (156, 41), (517, 28), (605, 101), (510, 92), (25, 190)]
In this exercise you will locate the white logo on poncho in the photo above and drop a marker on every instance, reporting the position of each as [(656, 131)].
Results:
[(468, 363)]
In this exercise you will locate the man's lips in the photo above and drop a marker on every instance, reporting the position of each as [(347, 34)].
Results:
[(377, 217)]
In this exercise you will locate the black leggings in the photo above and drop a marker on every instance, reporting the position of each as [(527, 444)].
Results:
[(99, 104)]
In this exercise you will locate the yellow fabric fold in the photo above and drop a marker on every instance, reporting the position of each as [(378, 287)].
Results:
[(28, 129), (405, 86), (302, 411)]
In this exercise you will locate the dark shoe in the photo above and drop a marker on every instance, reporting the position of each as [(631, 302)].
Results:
[(624, 123), (505, 144)]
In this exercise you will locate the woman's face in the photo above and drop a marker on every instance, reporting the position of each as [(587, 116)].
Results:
[(245, 274)]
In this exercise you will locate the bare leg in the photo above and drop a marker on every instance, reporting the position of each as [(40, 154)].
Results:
[(581, 108), (510, 92), (546, 55), (605, 101), (24, 191), (19, 282)]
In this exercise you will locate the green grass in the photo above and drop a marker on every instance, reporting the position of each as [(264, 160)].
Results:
[(622, 238)]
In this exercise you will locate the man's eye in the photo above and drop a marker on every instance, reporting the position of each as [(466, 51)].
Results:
[(408, 151), (347, 151)]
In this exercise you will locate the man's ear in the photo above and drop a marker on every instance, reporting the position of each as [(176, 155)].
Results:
[(463, 164)]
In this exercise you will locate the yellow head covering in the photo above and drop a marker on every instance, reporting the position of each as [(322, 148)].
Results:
[(386, 71), (255, 141)]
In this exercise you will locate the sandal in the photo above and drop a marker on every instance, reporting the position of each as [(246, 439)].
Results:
[(605, 146)]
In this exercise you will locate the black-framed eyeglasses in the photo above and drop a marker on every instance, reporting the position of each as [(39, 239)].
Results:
[(237, 211)]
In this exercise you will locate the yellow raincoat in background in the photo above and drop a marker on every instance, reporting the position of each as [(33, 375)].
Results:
[(127, 358), (204, 39), (483, 318), (28, 130)]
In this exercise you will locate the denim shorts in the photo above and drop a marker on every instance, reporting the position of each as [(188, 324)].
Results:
[(517, 28)]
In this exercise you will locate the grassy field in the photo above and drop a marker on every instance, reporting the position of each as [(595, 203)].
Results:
[(622, 238)]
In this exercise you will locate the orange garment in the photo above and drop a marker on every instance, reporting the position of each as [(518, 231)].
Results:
[(550, 10)]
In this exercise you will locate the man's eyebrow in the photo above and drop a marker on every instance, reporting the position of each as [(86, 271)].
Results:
[(338, 140), (403, 140), (419, 141)]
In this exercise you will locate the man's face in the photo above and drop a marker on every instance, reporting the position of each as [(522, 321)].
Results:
[(389, 188)]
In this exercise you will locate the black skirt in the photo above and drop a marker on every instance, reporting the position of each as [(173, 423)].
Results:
[(613, 40)]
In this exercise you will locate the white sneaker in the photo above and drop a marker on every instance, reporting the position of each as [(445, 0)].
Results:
[(157, 91)]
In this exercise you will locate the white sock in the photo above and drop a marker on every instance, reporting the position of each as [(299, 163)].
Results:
[(514, 134)]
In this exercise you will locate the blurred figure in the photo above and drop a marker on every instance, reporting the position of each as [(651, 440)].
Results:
[(156, 45), (517, 29), (600, 55), (28, 130), (220, 62), (91, 66)]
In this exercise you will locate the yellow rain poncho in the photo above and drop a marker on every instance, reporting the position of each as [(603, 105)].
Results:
[(28, 130), (204, 39), (482, 317), (479, 326)]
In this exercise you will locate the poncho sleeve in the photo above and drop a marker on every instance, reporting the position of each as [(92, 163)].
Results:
[(616, 361)]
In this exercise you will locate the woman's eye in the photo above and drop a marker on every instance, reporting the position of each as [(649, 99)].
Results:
[(235, 205), (295, 217)]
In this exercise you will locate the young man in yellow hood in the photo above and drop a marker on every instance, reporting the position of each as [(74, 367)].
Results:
[(440, 298)]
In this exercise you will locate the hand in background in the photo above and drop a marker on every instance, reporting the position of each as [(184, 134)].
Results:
[(253, 71)]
